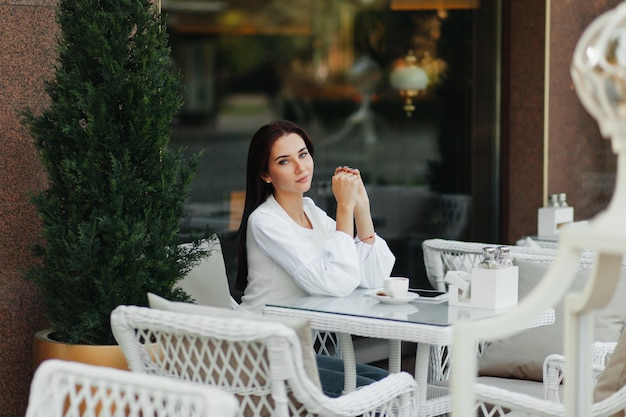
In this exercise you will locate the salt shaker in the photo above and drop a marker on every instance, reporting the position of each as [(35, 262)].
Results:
[(554, 201), (489, 258), (504, 257), (563, 200)]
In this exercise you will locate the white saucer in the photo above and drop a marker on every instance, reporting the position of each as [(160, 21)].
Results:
[(391, 300)]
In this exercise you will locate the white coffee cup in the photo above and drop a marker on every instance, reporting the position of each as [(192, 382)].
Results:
[(397, 287)]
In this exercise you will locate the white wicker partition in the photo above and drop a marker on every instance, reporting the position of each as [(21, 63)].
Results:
[(71, 389)]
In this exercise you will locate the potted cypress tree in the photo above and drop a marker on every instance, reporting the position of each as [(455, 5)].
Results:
[(110, 214)]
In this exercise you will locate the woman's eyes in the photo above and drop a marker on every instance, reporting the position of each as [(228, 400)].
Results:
[(286, 161)]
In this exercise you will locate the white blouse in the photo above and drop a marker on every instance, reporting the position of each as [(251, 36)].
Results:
[(286, 260)]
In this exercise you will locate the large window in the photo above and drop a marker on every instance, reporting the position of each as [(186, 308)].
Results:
[(328, 65)]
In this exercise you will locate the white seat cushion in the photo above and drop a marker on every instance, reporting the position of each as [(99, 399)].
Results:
[(207, 282)]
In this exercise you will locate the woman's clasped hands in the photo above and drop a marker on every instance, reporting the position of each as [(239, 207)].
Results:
[(348, 187)]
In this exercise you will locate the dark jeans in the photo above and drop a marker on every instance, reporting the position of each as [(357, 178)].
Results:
[(332, 375)]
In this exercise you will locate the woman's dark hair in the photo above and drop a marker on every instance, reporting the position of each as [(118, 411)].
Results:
[(258, 190)]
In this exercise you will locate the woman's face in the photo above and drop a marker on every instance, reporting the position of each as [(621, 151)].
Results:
[(290, 166)]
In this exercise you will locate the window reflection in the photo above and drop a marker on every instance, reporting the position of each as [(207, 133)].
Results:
[(326, 65)]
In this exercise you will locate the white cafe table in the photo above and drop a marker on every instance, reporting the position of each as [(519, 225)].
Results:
[(426, 323)]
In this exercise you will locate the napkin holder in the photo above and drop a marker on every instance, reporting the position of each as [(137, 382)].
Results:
[(550, 220), (490, 289)]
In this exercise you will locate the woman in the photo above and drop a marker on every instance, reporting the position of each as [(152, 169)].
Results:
[(289, 247)]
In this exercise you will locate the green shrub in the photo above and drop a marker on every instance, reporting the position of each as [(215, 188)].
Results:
[(110, 214)]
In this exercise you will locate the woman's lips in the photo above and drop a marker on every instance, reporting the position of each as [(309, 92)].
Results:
[(303, 179)]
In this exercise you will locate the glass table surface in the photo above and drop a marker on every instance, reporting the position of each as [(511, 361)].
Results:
[(362, 304)]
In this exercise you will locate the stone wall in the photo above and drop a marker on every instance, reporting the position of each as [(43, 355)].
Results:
[(575, 160), (26, 54)]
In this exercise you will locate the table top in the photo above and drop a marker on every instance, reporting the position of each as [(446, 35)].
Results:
[(360, 304), (362, 314)]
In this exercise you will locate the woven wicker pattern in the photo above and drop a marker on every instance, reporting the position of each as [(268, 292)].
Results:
[(442, 255), (69, 389), (254, 360), (327, 344)]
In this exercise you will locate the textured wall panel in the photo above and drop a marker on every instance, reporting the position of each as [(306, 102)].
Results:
[(26, 53)]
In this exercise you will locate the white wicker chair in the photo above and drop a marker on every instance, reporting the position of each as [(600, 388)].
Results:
[(258, 361), (441, 256), (71, 389)]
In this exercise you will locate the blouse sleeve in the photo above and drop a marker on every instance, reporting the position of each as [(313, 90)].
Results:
[(376, 261), (332, 270)]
